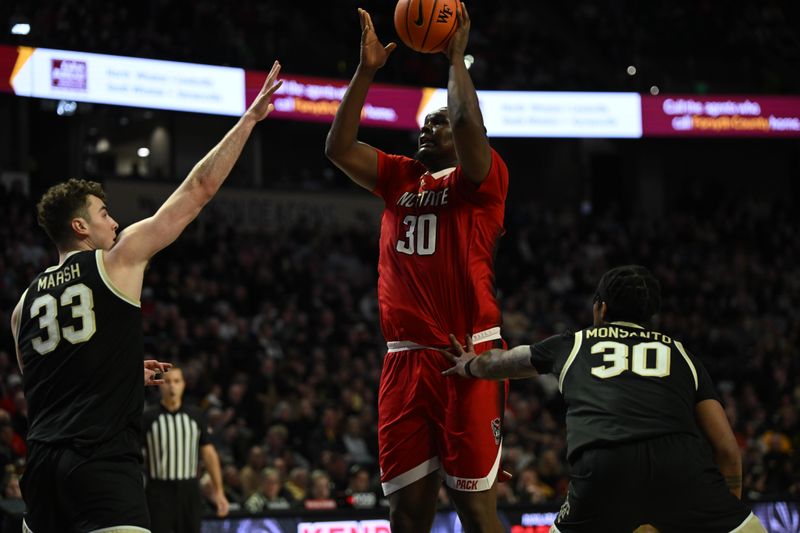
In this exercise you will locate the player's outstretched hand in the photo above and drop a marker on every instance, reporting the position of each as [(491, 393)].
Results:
[(460, 357), (262, 106), (154, 372), (373, 53), (458, 42)]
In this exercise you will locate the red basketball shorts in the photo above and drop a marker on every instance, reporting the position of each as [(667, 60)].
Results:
[(427, 421)]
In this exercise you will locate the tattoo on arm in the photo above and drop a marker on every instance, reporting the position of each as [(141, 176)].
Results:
[(515, 363)]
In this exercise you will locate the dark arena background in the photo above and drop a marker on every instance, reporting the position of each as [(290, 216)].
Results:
[(665, 134)]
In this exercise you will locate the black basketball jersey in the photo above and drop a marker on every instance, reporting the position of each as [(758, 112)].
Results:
[(82, 351), (622, 382)]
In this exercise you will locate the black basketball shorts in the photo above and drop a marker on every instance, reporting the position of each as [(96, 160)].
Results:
[(670, 482), (74, 490)]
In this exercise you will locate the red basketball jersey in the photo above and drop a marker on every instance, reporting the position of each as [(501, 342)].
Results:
[(438, 238)]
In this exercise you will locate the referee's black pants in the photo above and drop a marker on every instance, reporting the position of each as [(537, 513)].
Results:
[(175, 506)]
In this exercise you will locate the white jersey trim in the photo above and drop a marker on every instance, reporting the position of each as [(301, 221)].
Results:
[(442, 173), (112, 529), (627, 324), (121, 529), (410, 476), (576, 346), (751, 523), (21, 304), (56, 267), (490, 334), (480, 484), (101, 267), (688, 362)]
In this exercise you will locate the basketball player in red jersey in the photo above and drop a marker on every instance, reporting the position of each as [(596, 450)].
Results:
[(443, 217)]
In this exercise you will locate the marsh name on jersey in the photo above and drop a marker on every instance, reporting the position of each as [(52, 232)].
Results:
[(65, 275)]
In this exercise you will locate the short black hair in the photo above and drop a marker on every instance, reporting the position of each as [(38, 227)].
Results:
[(631, 293)]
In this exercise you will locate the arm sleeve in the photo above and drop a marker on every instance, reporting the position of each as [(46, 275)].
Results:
[(549, 355), (394, 171), (493, 189)]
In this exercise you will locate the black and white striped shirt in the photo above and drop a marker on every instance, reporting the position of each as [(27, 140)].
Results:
[(172, 442)]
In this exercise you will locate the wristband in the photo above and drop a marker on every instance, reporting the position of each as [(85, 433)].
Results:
[(467, 370)]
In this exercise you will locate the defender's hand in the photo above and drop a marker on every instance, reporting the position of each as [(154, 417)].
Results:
[(373, 53), (262, 106), (460, 357)]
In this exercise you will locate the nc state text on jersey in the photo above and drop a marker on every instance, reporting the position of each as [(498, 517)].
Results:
[(424, 198), (64, 275)]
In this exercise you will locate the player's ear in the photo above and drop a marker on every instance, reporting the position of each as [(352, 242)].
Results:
[(599, 310), (80, 226)]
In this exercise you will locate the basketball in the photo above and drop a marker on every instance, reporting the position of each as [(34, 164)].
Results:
[(426, 25)]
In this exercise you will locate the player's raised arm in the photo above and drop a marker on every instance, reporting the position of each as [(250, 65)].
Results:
[(138, 243), (712, 420), (466, 120), (356, 159), (492, 364)]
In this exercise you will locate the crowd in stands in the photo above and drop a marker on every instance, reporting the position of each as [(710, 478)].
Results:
[(520, 45), (278, 336)]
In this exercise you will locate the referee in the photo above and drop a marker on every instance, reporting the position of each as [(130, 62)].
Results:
[(175, 437)]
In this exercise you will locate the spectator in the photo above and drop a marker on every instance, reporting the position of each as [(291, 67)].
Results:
[(250, 473), (319, 495), (270, 495), (297, 484)]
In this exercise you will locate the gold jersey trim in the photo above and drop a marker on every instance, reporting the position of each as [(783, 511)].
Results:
[(628, 324), (56, 267), (576, 346), (101, 267), (688, 362)]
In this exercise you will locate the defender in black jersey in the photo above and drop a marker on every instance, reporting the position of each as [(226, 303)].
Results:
[(77, 330), (638, 406)]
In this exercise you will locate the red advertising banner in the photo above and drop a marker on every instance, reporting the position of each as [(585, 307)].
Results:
[(8, 61), (317, 99), (721, 116)]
